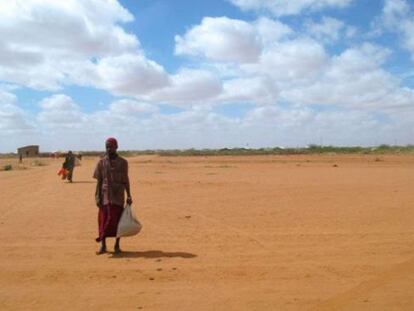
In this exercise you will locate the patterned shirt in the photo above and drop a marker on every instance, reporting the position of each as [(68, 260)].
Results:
[(113, 175)]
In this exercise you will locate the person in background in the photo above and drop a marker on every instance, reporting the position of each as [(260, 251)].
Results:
[(111, 174), (69, 165)]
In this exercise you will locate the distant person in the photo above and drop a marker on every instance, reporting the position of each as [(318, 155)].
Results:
[(20, 158), (69, 165), (111, 174)]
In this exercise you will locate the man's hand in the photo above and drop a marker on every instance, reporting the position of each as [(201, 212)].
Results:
[(98, 201), (129, 200)]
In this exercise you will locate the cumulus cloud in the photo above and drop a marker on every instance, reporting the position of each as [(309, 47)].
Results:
[(288, 74), (220, 39), (292, 61), (228, 40), (327, 30), (13, 119), (83, 27), (130, 74), (189, 86), (6, 97), (59, 111), (301, 126), (397, 16), (131, 107), (355, 79), (288, 7), (295, 68), (279, 52), (139, 125), (394, 10), (270, 31), (260, 90), (48, 44)]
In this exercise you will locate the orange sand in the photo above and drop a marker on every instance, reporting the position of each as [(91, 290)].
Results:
[(220, 233)]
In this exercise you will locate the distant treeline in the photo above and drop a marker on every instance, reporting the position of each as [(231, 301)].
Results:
[(311, 149)]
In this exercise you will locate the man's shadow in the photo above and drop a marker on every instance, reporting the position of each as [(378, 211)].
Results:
[(152, 254)]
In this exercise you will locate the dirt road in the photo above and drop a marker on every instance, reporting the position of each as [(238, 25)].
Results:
[(220, 233)]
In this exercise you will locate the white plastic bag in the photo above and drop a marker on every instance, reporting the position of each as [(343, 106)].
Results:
[(128, 224)]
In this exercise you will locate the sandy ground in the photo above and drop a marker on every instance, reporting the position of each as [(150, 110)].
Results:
[(220, 233)]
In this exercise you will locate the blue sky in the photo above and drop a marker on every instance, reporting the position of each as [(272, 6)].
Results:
[(205, 74)]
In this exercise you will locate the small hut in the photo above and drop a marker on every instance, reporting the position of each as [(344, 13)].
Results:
[(28, 151)]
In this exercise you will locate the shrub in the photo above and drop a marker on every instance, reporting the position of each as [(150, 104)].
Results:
[(37, 163), (7, 167)]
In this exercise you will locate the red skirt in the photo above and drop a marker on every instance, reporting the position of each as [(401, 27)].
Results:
[(108, 218)]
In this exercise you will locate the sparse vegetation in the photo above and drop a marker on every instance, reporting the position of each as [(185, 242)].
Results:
[(38, 163), (311, 149), (7, 167)]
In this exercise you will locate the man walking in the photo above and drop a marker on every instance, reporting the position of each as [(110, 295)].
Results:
[(112, 178), (69, 165)]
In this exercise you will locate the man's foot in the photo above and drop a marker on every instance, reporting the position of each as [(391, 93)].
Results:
[(117, 250), (101, 251)]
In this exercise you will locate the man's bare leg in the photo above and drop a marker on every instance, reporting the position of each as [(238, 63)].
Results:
[(70, 175), (103, 248), (117, 248)]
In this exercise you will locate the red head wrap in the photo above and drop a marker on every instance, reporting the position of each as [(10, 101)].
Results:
[(112, 141)]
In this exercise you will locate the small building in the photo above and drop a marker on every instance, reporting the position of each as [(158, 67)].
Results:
[(28, 151)]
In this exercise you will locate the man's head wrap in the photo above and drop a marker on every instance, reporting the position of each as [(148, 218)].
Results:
[(112, 142)]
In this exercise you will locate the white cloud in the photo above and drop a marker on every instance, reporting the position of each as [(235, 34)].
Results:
[(188, 86), (138, 125), (327, 30), (355, 79), (12, 118), (278, 54), (220, 39), (278, 118), (130, 74), (49, 44), (397, 16), (394, 10), (270, 31), (288, 7), (301, 126), (292, 61), (260, 90), (59, 111), (6, 97), (296, 69), (351, 31), (132, 107), (59, 103), (88, 28)]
